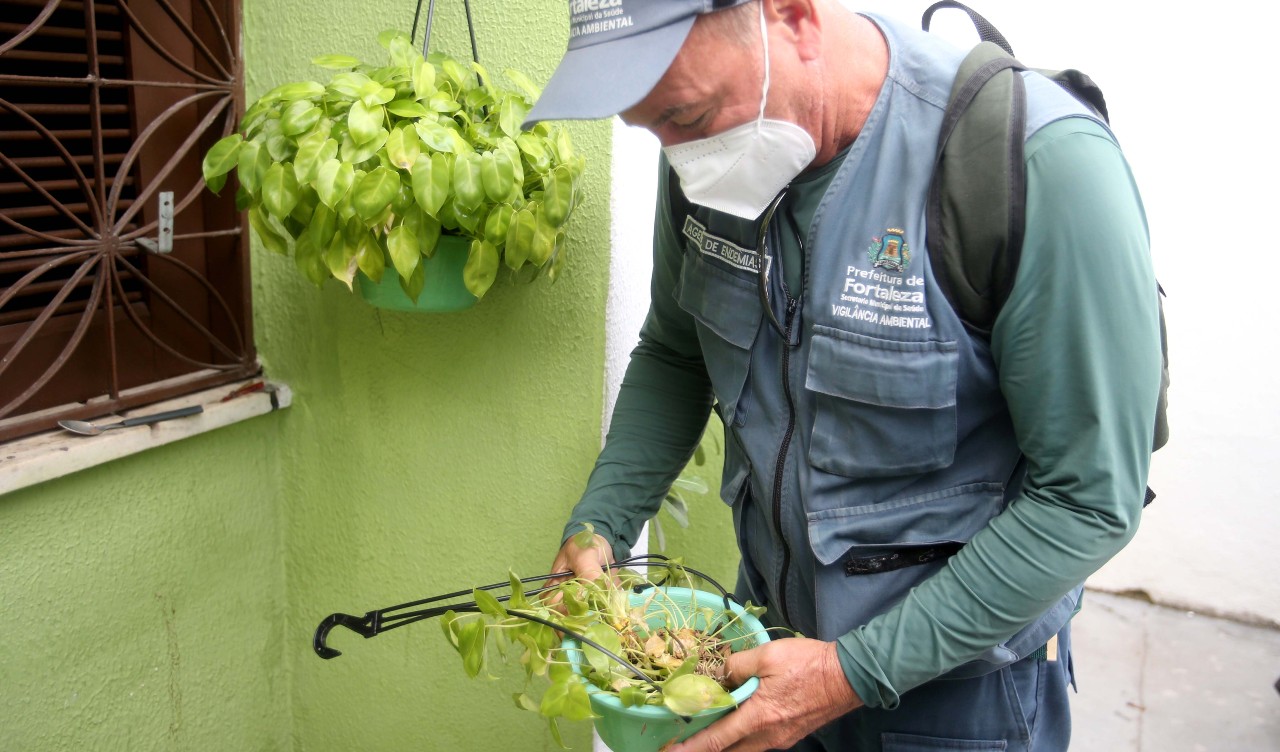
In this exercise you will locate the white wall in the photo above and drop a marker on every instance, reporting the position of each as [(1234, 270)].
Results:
[(1187, 93)]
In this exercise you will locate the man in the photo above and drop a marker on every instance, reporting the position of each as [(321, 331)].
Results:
[(921, 501)]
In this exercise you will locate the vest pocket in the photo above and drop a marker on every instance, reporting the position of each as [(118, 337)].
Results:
[(882, 407), (728, 316), (896, 531)]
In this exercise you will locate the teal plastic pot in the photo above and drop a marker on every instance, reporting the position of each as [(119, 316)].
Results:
[(443, 291), (647, 728)]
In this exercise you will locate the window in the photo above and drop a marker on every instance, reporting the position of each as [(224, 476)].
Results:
[(106, 110)]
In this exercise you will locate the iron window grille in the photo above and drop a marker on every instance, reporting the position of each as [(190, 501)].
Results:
[(106, 107)]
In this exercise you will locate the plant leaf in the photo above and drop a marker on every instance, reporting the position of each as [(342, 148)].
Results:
[(357, 153), (369, 257), (557, 196), (497, 224), (363, 122), (311, 149), (632, 696), (607, 638), (222, 157), (488, 604), (544, 241), (558, 258), (402, 245), (333, 181), (403, 147), (374, 193), (471, 641), (252, 165), (511, 114), (522, 83), (323, 226), (299, 90), (481, 268), (524, 702), (335, 62), (403, 53), (567, 699), (299, 117), (468, 185), (416, 282), (517, 599), (271, 240), (498, 174), (407, 108), (690, 694), (309, 260), (432, 178), (424, 80), (279, 190), (217, 183), (348, 85), (520, 237), (677, 508), (340, 257)]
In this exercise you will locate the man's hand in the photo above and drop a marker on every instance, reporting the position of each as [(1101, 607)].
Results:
[(802, 688), (586, 562)]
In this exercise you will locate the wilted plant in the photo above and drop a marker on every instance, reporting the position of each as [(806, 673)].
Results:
[(631, 640), (368, 170)]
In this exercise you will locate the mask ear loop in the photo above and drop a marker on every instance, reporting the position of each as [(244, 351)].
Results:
[(764, 90)]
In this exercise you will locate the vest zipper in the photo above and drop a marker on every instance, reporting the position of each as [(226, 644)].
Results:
[(781, 464)]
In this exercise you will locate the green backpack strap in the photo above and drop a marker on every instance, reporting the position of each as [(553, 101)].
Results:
[(976, 208), (976, 211)]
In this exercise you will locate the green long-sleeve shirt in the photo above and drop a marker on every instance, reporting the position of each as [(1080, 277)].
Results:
[(1077, 348)]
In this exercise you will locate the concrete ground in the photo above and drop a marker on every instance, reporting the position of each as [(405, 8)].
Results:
[(1156, 679)]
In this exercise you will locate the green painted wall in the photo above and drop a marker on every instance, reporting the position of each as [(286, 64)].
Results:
[(708, 543), (425, 453), (142, 603), (167, 601)]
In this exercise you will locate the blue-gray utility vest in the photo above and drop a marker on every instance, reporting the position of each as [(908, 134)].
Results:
[(872, 444)]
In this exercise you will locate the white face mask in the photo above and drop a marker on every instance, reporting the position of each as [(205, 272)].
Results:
[(741, 170)]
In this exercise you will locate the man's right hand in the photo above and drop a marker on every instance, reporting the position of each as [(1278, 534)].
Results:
[(586, 562)]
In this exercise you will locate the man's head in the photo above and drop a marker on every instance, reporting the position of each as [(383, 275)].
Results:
[(620, 49)]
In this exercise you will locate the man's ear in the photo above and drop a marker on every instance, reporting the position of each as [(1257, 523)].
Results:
[(802, 20)]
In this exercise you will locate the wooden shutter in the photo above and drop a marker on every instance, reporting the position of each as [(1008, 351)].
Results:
[(104, 106)]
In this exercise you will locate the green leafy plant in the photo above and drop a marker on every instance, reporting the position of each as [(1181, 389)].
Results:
[(676, 502), (367, 170), (641, 649)]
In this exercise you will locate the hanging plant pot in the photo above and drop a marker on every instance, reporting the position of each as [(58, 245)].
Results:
[(443, 290), (650, 728)]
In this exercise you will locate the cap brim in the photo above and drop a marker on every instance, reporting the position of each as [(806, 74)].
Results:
[(601, 80)]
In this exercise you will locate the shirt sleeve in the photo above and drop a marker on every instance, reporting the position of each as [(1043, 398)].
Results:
[(662, 408), (1077, 347)]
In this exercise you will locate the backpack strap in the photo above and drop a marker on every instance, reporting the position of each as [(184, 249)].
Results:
[(986, 31), (976, 211)]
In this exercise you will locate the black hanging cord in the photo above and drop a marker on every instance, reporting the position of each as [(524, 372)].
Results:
[(426, 36), (373, 623)]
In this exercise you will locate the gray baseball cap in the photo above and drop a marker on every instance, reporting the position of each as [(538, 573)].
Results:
[(618, 50)]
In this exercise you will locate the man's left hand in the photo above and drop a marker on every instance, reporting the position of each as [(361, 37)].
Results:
[(802, 688)]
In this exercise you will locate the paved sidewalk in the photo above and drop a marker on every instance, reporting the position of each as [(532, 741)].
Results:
[(1155, 679)]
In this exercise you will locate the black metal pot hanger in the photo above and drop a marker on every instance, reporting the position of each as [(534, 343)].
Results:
[(374, 623), (426, 36)]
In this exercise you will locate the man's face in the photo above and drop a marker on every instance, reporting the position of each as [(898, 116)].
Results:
[(713, 85)]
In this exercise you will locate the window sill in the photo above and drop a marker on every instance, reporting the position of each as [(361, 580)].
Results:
[(35, 459)]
